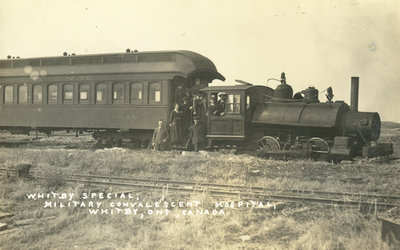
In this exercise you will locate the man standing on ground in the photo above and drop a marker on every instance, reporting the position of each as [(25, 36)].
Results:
[(160, 137), (196, 135)]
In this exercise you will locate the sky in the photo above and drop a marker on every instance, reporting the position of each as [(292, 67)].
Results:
[(318, 43)]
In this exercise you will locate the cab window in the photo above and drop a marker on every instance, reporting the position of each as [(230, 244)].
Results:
[(233, 104)]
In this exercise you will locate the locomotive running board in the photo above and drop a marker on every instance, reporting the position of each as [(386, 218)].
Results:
[(226, 136)]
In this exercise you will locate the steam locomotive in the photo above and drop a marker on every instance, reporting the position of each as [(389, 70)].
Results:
[(278, 123), (121, 96)]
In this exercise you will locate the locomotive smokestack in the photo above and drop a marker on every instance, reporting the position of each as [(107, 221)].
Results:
[(354, 93)]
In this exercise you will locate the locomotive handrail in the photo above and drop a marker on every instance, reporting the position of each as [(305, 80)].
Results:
[(359, 131), (292, 124), (273, 79), (293, 100)]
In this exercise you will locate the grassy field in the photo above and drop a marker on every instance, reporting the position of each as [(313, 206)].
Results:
[(291, 226)]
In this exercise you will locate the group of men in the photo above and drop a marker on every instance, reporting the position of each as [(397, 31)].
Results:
[(187, 123), (217, 107)]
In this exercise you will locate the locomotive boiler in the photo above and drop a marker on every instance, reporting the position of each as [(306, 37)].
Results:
[(277, 122)]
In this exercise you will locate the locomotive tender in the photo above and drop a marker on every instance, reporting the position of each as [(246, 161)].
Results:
[(122, 96)]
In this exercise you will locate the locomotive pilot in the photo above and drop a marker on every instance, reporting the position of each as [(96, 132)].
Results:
[(160, 137)]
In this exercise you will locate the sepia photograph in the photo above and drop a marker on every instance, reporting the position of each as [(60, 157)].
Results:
[(187, 124)]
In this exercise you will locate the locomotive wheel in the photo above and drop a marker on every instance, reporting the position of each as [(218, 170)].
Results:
[(317, 147), (266, 145), (101, 141)]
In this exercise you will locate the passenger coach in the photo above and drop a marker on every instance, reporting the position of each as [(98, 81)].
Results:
[(119, 95)]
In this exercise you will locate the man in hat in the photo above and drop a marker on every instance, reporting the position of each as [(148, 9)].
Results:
[(186, 116), (212, 108), (221, 103), (198, 84), (196, 135), (160, 137), (199, 107)]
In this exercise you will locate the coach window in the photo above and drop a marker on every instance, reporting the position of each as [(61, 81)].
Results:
[(8, 94), (118, 93), (101, 90), (22, 94), (136, 92), (52, 93), (37, 94), (155, 92), (84, 93), (68, 93), (233, 104)]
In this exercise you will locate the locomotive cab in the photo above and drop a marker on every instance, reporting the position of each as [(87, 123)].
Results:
[(230, 125)]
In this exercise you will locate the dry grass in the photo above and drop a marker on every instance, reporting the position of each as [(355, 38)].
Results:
[(362, 175), (294, 227)]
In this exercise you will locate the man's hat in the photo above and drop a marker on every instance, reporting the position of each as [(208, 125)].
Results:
[(220, 94)]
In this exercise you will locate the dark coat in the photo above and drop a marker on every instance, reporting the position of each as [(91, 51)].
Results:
[(186, 113), (196, 134), (213, 110), (160, 135), (199, 109), (176, 126), (221, 106)]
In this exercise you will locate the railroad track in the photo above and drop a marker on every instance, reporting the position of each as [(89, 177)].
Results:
[(16, 141), (244, 192)]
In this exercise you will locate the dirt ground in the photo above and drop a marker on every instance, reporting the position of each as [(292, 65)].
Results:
[(287, 226)]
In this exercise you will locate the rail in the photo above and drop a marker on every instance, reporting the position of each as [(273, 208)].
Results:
[(311, 196)]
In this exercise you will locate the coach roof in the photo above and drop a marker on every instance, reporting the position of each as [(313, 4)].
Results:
[(181, 62)]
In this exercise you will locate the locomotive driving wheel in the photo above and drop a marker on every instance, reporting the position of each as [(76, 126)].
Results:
[(266, 146)]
